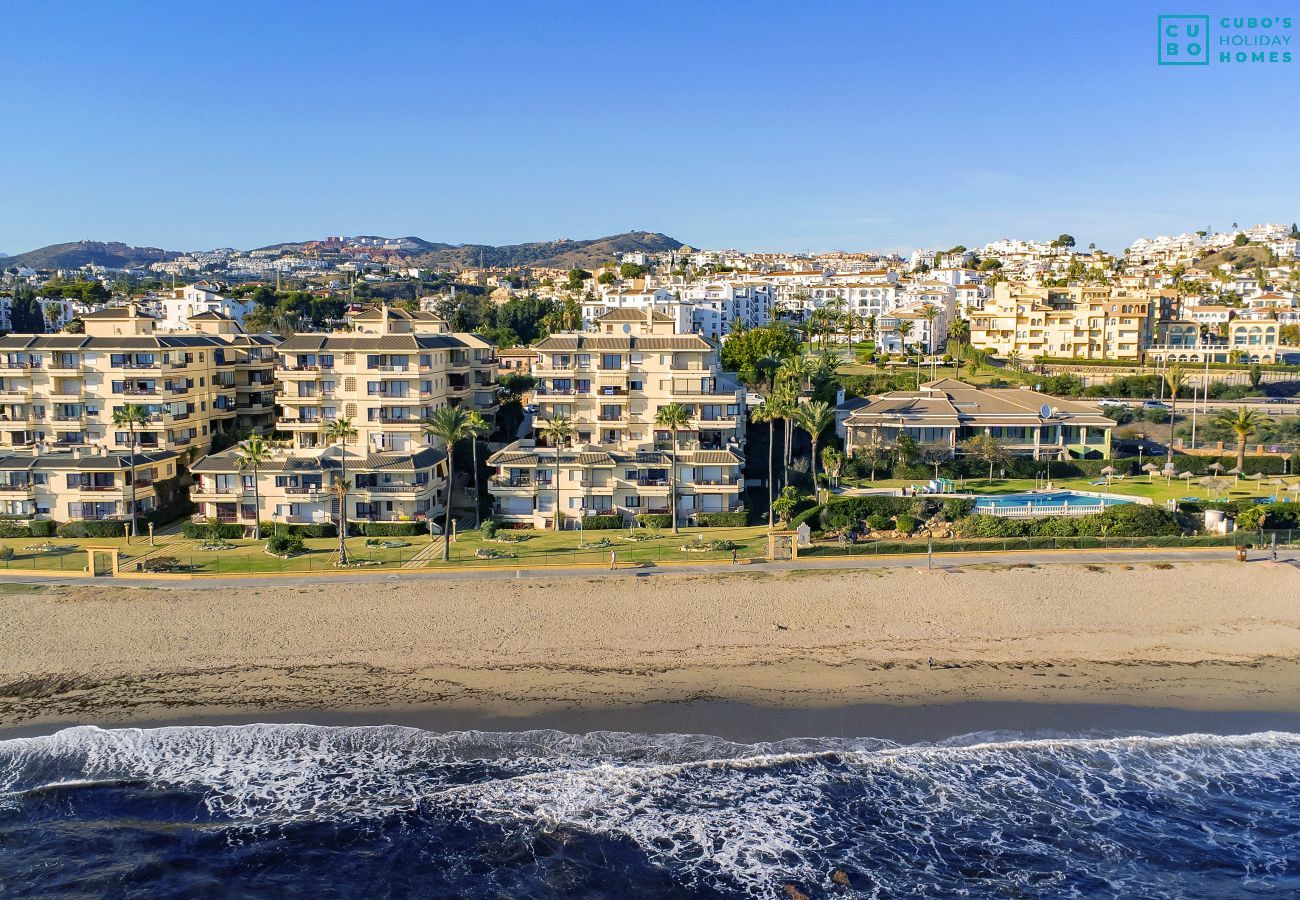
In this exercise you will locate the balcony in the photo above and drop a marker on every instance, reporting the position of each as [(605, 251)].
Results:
[(24, 488), (305, 490), (513, 481)]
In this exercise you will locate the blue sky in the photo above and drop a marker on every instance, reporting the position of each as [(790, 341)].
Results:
[(756, 125)]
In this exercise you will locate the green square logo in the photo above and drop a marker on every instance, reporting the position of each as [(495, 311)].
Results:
[(1184, 41)]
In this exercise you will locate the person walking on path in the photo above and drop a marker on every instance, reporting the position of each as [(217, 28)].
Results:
[(613, 559), (734, 552)]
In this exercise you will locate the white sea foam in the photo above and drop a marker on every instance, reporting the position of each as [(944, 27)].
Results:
[(734, 817)]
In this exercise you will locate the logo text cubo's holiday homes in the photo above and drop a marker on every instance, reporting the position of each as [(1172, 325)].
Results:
[(1199, 40)]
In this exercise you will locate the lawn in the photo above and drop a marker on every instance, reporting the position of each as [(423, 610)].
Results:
[(536, 548)]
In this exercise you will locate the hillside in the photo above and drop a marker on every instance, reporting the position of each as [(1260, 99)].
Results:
[(84, 253), (561, 254), (1240, 258)]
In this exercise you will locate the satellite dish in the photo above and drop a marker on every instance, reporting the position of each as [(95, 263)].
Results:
[(1045, 411)]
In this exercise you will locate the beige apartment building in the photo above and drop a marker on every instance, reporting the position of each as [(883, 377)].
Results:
[(60, 390), (609, 383), (88, 484), (294, 487), (1079, 322), (391, 371)]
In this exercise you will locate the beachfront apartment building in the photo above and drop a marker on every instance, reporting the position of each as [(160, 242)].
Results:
[(947, 412), (609, 384), (1079, 322), (59, 391), (295, 487), (86, 484), (392, 370)]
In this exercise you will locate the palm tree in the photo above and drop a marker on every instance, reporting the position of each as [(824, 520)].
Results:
[(557, 431), (904, 328), (449, 425), (767, 412), (986, 448), (253, 454), (959, 333), (674, 417), (340, 487), (783, 402), (131, 416), (477, 426), (815, 417), (340, 430), (1245, 424), (930, 312), (1174, 379)]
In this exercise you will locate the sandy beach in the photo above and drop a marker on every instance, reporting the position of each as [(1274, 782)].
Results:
[(1196, 636)]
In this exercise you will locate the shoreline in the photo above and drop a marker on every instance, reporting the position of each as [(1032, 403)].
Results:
[(755, 653), (747, 723)]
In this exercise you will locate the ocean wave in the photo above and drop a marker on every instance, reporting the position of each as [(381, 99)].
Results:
[(988, 814)]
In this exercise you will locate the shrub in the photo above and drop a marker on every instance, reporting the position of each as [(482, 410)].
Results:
[(737, 519), (162, 564), (285, 544), (602, 522), (314, 530), (91, 529), (905, 524), (1282, 515), (655, 520), (957, 508), (879, 523), (488, 529), (6, 554), (387, 529), (42, 528), (852, 510)]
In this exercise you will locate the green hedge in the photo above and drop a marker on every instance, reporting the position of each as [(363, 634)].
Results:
[(310, 530), (91, 530), (808, 515), (1125, 520), (604, 522), (12, 529), (655, 520), (197, 531), (1200, 465), (737, 519), (42, 527), (385, 529)]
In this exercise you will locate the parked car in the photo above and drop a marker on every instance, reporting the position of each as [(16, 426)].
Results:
[(532, 409)]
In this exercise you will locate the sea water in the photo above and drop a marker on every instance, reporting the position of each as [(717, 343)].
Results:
[(302, 811)]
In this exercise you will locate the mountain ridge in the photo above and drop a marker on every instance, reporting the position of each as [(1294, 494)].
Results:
[(561, 253)]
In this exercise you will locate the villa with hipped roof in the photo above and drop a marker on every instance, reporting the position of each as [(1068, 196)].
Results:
[(947, 412)]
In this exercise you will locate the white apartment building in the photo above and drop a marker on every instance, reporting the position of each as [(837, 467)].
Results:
[(179, 305)]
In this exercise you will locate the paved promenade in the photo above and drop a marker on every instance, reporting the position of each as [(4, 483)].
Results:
[(651, 570)]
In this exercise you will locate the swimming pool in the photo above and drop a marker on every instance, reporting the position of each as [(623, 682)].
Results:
[(1045, 503)]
